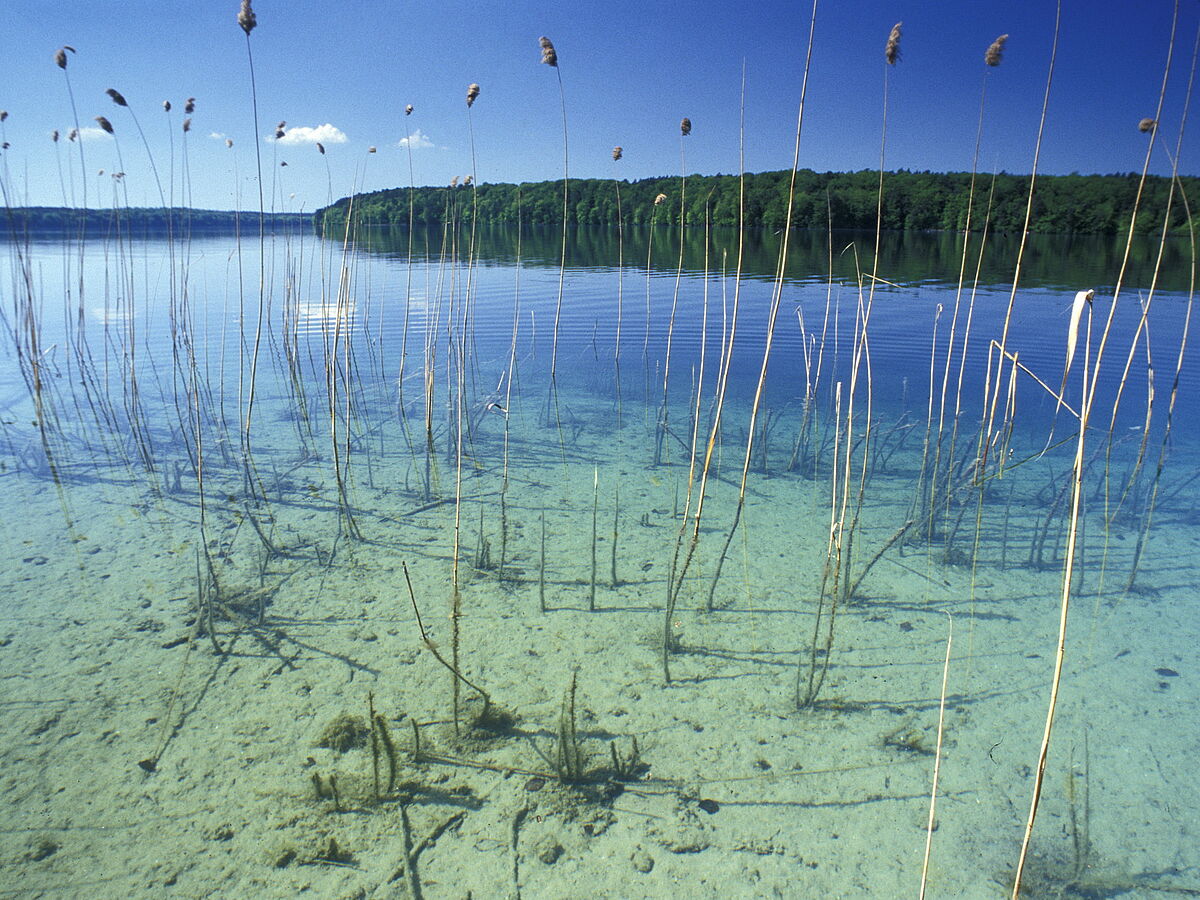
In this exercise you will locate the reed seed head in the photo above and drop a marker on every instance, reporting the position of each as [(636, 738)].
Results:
[(5, 145), (72, 134), (467, 179), (454, 182), (1147, 125), (320, 148), (187, 124), (116, 97), (104, 123), (995, 51), (54, 135), (660, 199), (60, 56), (279, 130), (190, 106), (246, 18), (3, 114), (892, 51), (228, 143), (472, 93), (617, 153), (408, 110), (685, 126), (166, 106), (370, 149), (549, 55)]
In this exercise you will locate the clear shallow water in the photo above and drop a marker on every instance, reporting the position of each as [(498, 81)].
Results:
[(211, 627)]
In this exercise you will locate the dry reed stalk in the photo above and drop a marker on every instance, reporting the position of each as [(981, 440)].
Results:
[(550, 58), (937, 757), (673, 585), (724, 362), (986, 435), (1086, 404), (617, 153), (660, 457), (772, 315), (1153, 492), (595, 514), (992, 58), (1064, 606), (832, 567)]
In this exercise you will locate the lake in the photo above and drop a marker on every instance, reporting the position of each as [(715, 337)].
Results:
[(467, 560)]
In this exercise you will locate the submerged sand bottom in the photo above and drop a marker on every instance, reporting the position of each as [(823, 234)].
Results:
[(738, 793)]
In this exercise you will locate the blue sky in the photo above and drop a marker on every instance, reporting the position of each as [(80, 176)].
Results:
[(631, 71)]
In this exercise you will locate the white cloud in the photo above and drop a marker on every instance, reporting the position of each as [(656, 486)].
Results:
[(416, 141), (94, 134), (217, 135), (303, 134)]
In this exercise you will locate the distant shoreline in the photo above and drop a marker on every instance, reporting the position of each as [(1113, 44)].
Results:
[(134, 222), (911, 202)]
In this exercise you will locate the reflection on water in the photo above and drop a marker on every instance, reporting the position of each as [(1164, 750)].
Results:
[(356, 581)]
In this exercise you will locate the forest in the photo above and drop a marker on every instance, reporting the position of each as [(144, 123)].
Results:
[(912, 201)]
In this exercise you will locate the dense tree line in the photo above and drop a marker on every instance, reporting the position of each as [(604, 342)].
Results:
[(140, 222), (922, 201)]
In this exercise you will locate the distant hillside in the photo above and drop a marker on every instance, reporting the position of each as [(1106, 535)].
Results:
[(921, 201), (139, 221)]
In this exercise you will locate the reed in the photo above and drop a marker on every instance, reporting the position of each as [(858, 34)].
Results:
[(937, 760), (595, 515), (1086, 405), (660, 453), (550, 58)]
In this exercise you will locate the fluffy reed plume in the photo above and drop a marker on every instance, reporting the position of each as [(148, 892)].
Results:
[(320, 148), (1147, 125), (246, 18), (116, 97), (279, 130), (190, 106), (408, 110), (3, 114), (994, 53), (371, 149), (72, 134), (617, 153), (104, 123), (685, 126), (467, 179), (166, 106), (660, 199), (549, 55), (187, 124), (454, 182), (228, 143), (892, 51), (472, 93), (60, 56), (54, 135)]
